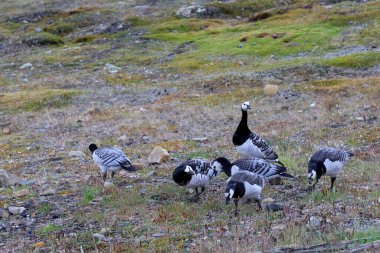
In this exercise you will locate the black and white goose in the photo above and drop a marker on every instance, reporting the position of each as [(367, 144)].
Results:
[(244, 185), (255, 165), (110, 159), (327, 162), (194, 173), (249, 144)]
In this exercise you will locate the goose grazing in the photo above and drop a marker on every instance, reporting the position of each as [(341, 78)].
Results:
[(244, 185), (195, 173), (110, 159), (249, 144), (255, 165), (327, 162)]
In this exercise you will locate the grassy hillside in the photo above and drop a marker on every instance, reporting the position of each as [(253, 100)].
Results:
[(136, 75)]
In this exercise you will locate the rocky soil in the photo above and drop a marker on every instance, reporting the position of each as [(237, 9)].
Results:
[(131, 74)]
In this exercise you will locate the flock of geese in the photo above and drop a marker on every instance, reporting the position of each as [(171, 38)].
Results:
[(247, 176)]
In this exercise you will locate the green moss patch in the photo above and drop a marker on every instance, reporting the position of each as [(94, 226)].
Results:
[(354, 60), (43, 38), (36, 100)]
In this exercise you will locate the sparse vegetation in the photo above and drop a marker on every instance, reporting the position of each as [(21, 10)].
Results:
[(179, 84)]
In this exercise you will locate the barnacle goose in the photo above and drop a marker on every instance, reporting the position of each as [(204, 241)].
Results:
[(194, 173), (249, 144), (110, 159), (255, 165), (327, 162), (244, 185)]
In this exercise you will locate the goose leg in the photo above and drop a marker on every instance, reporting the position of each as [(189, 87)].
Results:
[(112, 175), (332, 183), (258, 201), (195, 198), (104, 175), (236, 201)]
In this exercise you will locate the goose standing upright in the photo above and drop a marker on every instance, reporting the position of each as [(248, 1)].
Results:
[(244, 185), (110, 159), (194, 173), (249, 144), (327, 162)]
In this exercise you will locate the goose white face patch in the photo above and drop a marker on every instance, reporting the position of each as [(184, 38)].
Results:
[(231, 193), (216, 166), (234, 169), (245, 106), (189, 170), (312, 175)]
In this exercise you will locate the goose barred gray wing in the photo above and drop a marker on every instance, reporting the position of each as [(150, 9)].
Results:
[(332, 154), (246, 176), (263, 146), (261, 167), (111, 157), (198, 165)]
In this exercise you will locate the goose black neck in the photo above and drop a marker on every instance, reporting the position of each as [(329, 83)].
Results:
[(243, 125)]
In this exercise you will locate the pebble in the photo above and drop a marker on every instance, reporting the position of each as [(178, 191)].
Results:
[(105, 231), (100, 237), (4, 213), (378, 200), (48, 192), (76, 154), (138, 165), (158, 155), (26, 65), (200, 139), (21, 193), (268, 200), (359, 118), (39, 245), (315, 221), (270, 90), (313, 105), (7, 130), (16, 210), (38, 29), (26, 182), (111, 68), (158, 234), (274, 207), (108, 186)]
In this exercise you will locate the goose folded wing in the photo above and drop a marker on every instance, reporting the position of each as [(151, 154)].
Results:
[(111, 157), (263, 146), (251, 178)]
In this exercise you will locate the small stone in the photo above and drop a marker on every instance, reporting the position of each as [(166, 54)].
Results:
[(4, 179), (244, 38), (123, 138), (111, 68), (270, 89), (105, 231), (21, 193), (16, 210), (274, 207), (138, 165), (268, 200), (279, 227), (7, 130), (315, 221), (108, 187), (48, 192), (4, 213), (275, 181), (158, 155), (38, 29), (378, 200), (241, 63), (76, 154), (200, 139), (39, 245), (100, 237), (26, 182), (312, 105), (158, 235), (359, 118), (25, 80), (26, 65)]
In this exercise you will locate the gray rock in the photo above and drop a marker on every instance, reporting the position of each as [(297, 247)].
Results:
[(4, 179), (158, 155), (26, 65), (48, 192), (4, 213), (158, 235), (15, 210), (100, 237), (108, 186), (359, 118), (268, 200), (111, 68), (105, 231), (200, 139), (38, 29), (270, 89), (315, 221), (21, 193), (26, 182), (76, 154), (274, 207)]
